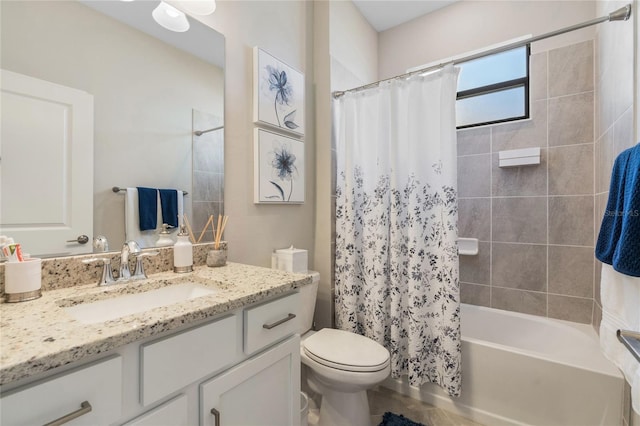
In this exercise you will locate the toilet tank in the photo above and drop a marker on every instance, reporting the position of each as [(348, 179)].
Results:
[(308, 303)]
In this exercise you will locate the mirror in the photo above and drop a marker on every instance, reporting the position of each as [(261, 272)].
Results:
[(151, 89)]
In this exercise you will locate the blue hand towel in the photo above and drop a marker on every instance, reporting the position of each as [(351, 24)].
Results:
[(619, 238), (148, 208), (169, 206)]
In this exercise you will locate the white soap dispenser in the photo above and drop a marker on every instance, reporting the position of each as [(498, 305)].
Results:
[(164, 237), (183, 253)]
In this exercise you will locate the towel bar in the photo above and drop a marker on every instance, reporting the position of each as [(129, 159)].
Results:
[(117, 189), (631, 340)]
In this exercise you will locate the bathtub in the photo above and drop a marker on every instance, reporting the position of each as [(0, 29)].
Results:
[(523, 369)]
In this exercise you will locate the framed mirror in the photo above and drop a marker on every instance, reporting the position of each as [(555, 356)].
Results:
[(143, 90)]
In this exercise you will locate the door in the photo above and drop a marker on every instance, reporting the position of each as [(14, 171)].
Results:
[(46, 165), (262, 391)]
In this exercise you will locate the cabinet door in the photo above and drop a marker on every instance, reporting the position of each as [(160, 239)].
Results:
[(174, 413), (262, 391)]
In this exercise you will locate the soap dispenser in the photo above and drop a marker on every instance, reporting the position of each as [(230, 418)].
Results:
[(183, 252), (164, 237)]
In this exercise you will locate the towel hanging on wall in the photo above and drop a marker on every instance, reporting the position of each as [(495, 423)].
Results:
[(148, 208), (619, 239), (169, 206), (149, 237)]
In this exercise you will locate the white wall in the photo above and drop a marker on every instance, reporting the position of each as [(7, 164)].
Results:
[(353, 44), (469, 25), (285, 29), (143, 89)]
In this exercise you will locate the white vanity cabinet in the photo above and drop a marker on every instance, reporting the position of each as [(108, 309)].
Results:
[(245, 364), (89, 395)]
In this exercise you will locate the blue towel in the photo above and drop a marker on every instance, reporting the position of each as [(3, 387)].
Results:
[(619, 238), (148, 208), (169, 206)]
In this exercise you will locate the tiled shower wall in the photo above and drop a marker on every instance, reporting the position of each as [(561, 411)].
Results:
[(535, 223), (208, 173)]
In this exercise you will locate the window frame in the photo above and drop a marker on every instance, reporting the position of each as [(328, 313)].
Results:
[(501, 86)]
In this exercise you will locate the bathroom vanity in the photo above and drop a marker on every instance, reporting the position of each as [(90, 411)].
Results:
[(230, 356)]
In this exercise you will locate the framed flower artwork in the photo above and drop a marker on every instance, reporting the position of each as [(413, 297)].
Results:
[(278, 93), (278, 168)]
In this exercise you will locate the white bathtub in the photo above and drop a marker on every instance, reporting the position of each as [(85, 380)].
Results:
[(524, 369)]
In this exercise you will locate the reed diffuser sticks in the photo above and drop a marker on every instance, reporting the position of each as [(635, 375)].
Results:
[(215, 230), (222, 222)]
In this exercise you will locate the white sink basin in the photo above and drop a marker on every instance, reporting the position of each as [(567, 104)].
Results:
[(128, 304)]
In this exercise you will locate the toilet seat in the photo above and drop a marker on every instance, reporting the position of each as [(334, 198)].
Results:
[(346, 351)]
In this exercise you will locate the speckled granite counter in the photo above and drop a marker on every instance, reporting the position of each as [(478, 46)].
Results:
[(40, 335)]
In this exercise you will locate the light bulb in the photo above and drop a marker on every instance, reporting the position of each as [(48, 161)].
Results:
[(199, 7), (170, 18)]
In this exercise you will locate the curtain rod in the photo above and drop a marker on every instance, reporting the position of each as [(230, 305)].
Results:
[(621, 14)]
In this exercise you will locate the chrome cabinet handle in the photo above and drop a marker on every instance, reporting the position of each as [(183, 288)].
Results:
[(85, 408), (216, 415), (82, 239), (277, 323)]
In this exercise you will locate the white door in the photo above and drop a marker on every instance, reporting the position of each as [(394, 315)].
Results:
[(46, 166)]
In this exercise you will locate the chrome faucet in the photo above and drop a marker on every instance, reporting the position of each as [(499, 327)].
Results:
[(129, 248)]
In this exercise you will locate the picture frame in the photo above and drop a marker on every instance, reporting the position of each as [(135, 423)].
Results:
[(278, 94), (279, 169)]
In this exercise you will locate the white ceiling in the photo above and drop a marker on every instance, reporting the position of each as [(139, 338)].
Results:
[(385, 14)]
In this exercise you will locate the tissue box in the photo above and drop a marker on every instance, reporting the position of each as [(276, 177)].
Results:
[(292, 259)]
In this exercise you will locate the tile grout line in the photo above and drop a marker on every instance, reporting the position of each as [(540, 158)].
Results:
[(491, 222), (548, 169)]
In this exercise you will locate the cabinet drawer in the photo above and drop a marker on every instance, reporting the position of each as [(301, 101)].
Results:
[(270, 322), (99, 384), (172, 363), (174, 412)]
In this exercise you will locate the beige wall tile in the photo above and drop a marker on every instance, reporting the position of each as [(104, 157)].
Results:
[(571, 119), (538, 76), (474, 141), (519, 181), (571, 69), (576, 309), (477, 269), (519, 219), (522, 134), (527, 302), (571, 220), (475, 294), (521, 266), (474, 176), (571, 271), (571, 170), (474, 218)]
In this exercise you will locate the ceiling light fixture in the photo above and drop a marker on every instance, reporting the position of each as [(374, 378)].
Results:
[(170, 18), (199, 7)]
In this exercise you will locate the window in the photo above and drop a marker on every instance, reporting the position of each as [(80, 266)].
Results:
[(493, 88)]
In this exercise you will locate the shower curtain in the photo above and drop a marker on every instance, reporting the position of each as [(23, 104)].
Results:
[(396, 261)]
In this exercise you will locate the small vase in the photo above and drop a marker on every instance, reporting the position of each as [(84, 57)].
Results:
[(217, 258)]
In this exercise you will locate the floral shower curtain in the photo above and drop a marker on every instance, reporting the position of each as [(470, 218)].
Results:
[(396, 266)]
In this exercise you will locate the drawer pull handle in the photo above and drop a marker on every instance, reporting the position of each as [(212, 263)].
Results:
[(277, 323), (85, 408), (216, 414)]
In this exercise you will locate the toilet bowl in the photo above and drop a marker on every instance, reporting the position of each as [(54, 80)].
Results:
[(341, 366)]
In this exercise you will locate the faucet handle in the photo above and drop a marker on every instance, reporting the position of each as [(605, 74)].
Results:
[(138, 272), (107, 273)]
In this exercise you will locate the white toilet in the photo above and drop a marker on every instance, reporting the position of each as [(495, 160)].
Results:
[(341, 366)]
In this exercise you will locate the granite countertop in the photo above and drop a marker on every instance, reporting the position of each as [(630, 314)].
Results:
[(40, 335)]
